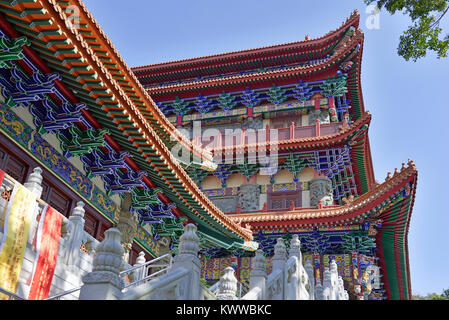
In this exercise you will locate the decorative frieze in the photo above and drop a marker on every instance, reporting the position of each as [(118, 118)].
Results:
[(24, 135)]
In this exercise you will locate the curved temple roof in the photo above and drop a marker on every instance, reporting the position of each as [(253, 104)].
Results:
[(391, 201), (93, 72)]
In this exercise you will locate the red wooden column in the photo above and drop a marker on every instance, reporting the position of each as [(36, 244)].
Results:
[(250, 112), (267, 133), (179, 121), (317, 121), (317, 127), (292, 130), (317, 101), (332, 110)]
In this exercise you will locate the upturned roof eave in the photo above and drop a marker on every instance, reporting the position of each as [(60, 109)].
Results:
[(352, 20), (335, 215), (312, 71), (53, 12)]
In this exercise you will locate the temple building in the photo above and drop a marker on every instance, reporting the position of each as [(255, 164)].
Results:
[(300, 104), (248, 146)]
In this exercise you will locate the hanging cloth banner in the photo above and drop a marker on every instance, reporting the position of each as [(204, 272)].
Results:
[(2, 175), (19, 212), (48, 235)]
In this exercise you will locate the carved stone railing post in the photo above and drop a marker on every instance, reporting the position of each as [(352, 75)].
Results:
[(228, 285), (319, 294), (327, 285), (75, 235), (104, 282), (277, 279), (310, 273), (338, 289), (258, 275), (34, 182), (280, 255), (187, 259), (293, 269), (139, 274), (342, 294), (334, 277), (295, 248)]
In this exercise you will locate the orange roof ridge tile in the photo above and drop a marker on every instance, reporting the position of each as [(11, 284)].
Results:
[(336, 211), (136, 83), (56, 12), (349, 44)]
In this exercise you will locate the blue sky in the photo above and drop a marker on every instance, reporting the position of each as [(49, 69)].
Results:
[(408, 100)]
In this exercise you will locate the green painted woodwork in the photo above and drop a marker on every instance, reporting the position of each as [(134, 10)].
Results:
[(358, 242), (276, 95), (335, 86)]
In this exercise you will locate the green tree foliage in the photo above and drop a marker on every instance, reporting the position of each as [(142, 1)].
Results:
[(433, 296), (424, 34)]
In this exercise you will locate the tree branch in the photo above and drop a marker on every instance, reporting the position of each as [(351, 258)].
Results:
[(438, 20)]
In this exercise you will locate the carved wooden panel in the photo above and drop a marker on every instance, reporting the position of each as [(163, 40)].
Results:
[(101, 229), (13, 165), (57, 199), (90, 224)]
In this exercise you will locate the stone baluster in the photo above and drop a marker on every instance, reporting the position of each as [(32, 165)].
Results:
[(104, 282), (319, 294), (228, 285), (139, 273), (293, 288), (310, 273), (337, 285), (295, 248), (280, 255), (334, 273), (34, 182), (342, 294), (258, 275), (327, 285), (74, 236), (187, 258), (279, 263)]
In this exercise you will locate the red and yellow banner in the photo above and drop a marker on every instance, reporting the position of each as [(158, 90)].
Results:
[(20, 210), (48, 235), (2, 218)]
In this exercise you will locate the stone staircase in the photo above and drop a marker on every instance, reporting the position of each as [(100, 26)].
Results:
[(89, 270)]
